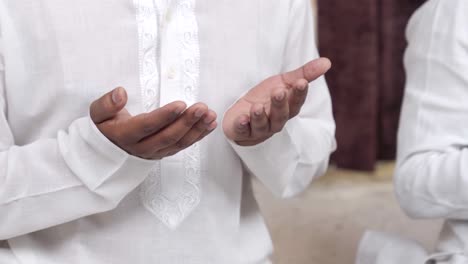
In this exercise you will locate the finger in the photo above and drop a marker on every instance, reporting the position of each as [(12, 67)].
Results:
[(259, 122), (209, 118), (242, 128), (147, 124), (298, 97), (210, 129), (108, 106), (310, 71), (206, 123), (279, 112), (188, 140), (175, 131)]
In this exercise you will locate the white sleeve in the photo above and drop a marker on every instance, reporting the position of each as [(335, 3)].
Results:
[(291, 159), (55, 180), (432, 169)]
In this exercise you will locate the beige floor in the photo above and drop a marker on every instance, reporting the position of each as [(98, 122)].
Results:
[(325, 224)]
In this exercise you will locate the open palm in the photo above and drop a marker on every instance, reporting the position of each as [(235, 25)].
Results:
[(266, 108)]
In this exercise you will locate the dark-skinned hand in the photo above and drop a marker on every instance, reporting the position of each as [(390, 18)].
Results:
[(154, 135)]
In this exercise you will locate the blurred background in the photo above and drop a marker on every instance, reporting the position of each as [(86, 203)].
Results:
[(365, 40)]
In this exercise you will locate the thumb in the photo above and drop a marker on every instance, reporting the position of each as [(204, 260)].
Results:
[(108, 105), (310, 71)]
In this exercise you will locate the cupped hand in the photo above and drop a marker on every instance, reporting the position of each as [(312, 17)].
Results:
[(154, 135), (267, 107)]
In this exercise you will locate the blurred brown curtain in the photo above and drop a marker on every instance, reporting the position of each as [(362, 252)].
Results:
[(365, 40)]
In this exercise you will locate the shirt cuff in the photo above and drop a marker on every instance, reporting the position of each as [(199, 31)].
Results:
[(273, 161), (95, 159)]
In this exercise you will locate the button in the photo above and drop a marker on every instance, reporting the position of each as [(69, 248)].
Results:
[(168, 16), (171, 73)]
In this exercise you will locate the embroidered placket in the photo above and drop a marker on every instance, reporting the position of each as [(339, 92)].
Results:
[(169, 69)]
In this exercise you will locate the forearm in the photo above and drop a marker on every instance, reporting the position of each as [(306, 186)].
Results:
[(432, 184), (291, 159), (53, 181)]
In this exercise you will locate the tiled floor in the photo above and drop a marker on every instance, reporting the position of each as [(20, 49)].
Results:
[(325, 224)]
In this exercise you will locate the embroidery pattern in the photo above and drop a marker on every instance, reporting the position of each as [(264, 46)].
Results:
[(170, 211)]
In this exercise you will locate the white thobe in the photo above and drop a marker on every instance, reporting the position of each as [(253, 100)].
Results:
[(69, 195), (431, 178)]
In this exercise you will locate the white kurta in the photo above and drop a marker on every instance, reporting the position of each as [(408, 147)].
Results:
[(431, 179), (68, 195)]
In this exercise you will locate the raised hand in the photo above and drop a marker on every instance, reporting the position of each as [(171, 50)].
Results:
[(266, 108), (155, 135)]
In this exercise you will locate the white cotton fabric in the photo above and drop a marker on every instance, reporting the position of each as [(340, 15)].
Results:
[(168, 37), (431, 179), (69, 195)]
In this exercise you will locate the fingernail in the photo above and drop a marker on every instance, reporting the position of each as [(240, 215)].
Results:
[(258, 112), (117, 96), (199, 113), (244, 123), (212, 126), (280, 97), (326, 62), (208, 120), (179, 110), (302, 87)]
